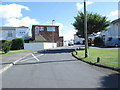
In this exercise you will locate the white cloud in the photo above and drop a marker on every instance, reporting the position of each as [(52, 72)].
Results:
[(12, 10), (113, 13), (81, 5), (26, 21), (13, 16), (59, 24), (69, 35), (68, 32)]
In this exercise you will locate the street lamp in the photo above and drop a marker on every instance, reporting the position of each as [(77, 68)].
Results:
[(85, 30), (53, 33)]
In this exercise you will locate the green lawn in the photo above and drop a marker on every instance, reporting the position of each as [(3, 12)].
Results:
[(108, 57), (17, 51)]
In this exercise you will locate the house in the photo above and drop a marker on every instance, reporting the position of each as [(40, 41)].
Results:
[(46, 33), (112, 35), (9, 33), (78, 40)]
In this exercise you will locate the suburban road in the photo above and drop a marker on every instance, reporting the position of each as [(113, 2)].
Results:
[(57, 68)]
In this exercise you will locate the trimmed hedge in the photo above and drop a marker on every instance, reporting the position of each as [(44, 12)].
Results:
[(6, 46), (98, 41), (17, 43)]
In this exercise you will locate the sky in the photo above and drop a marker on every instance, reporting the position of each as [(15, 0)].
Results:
[(42, 13)]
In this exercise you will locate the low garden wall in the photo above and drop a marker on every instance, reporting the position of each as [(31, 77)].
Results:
[(42, 45)]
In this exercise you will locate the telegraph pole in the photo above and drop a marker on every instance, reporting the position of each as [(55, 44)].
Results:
[(85, 30)]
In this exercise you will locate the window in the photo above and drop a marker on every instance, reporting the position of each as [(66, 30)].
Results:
[(110, 39), (119, 39), (9, 33), (41, 28), (36, 28), (50, 28)]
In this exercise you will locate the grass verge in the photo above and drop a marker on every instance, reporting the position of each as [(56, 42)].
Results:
[(17, 51), (108, 57)]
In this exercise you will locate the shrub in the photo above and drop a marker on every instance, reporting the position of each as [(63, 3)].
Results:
[(89, 41), (26, 41), (17, 43), (1, 43), (98, 41), (6, 46)]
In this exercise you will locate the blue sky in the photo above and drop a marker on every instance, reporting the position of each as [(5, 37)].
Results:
[(29, 13)]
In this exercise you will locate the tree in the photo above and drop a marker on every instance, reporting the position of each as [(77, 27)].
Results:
[(95, 23), (6, 46)]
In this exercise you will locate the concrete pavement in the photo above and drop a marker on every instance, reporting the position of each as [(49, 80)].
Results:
[(57, 68)]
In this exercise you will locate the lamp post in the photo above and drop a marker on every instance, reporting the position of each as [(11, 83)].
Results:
[(53, 33), (85, 30)]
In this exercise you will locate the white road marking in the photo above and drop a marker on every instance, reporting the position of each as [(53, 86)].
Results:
[(35, 57), (31, 57), (10, 65)]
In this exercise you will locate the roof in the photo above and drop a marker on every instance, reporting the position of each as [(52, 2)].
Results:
[(46, 25), (22, 27), (7, 28), (115, 21), (11, 28)]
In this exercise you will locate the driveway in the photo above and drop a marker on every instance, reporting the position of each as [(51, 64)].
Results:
[(56, 68)]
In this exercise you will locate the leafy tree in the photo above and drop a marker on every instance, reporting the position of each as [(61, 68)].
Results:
[(6, 46), (95, 23)]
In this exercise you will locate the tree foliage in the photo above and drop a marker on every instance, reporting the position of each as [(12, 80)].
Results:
[(95, 23), (17, 43), (6, 46)]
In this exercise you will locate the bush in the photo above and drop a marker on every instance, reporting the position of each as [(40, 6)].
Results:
[(17, 43), (6, 46), (26, 41), (98, 41), (89, 41), (1, 43)]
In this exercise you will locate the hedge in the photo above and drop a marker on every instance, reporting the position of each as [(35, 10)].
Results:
[(17, 43), (98, 41)]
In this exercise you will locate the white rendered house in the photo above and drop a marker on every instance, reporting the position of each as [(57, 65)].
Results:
[(9, 33), (112, 35)]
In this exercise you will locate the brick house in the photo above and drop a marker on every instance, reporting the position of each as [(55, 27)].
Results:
[(46, 33)]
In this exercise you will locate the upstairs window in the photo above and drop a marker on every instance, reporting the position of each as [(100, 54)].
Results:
[(50, 28), (39, 28), (36, 28), (9, 33)]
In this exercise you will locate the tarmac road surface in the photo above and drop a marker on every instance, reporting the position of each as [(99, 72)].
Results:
[(57, 68)]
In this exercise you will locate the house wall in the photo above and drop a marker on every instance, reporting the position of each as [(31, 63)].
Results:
[(44, 45), (22, 33), (4, 34), (77, 39), (113, 31), (48, 35), (9, 33)]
